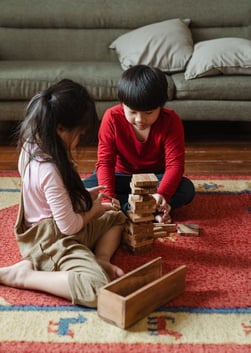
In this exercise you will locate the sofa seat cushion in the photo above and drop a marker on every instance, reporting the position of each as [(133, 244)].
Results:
[(20, 80), (213, 88)]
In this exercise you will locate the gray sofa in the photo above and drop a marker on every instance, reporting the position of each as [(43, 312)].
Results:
[(44, 41)]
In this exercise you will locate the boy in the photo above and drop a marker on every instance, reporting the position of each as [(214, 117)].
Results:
[(141, 136)]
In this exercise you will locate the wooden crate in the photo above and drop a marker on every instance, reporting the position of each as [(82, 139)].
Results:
[(131, 297)]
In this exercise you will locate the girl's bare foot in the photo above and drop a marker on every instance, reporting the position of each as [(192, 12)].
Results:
[(112, 271), (14, 275)]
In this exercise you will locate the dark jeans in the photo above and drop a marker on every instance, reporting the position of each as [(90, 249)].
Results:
[(183, 195)]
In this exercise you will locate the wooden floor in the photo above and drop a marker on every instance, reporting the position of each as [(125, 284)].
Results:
[(211, 148)]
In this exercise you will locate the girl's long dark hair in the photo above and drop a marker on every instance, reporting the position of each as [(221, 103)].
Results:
[(67, 105)]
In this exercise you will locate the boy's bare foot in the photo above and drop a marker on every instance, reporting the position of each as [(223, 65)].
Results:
[(112, 271), (14, 275)]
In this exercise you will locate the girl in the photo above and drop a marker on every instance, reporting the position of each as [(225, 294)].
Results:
[(141, 136), (59, 221)]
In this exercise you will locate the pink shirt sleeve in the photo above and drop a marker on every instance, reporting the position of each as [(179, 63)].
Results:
[(60, 204)]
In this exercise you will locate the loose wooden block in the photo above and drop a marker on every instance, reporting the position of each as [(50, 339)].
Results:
[(131, 297), (144, 180), (188, 229), (167, 227), (162, 230)]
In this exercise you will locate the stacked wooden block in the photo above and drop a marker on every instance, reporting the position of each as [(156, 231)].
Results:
[(139, 231)]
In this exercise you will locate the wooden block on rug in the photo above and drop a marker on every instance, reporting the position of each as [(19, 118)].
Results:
[(164, 229), (188, 229), (131, 297)]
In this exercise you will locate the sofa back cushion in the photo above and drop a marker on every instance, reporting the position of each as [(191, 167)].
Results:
[(82, 30)]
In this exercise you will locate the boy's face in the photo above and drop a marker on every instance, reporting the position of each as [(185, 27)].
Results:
[(141, 120)]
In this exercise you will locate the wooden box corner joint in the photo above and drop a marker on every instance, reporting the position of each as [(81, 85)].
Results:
[(131, 297)]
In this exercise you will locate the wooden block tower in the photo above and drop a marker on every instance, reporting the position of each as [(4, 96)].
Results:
[(139, 230)]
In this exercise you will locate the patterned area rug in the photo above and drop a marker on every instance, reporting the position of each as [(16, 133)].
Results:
[(212, 315)]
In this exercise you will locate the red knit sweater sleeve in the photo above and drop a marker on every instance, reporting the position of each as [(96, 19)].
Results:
[(107, 151), (174, 151)]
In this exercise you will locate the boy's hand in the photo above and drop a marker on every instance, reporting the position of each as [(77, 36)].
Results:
[(163, 209)]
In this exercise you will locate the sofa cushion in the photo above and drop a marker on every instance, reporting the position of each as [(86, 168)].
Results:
[(167, 45), (213, 88), (228, 56), (20, 80)]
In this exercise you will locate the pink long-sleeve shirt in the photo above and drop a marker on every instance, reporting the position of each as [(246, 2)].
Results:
[(119, 150), (45, 196)]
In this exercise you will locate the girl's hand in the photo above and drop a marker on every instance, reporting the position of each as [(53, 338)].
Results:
[(95, 191), (163, 209), (113, 205), (99, 207)]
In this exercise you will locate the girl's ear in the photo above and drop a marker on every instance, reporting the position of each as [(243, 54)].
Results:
[(60, 128), (60, 131)]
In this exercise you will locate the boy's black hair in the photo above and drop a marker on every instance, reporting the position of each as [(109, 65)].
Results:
[(143, 88)]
